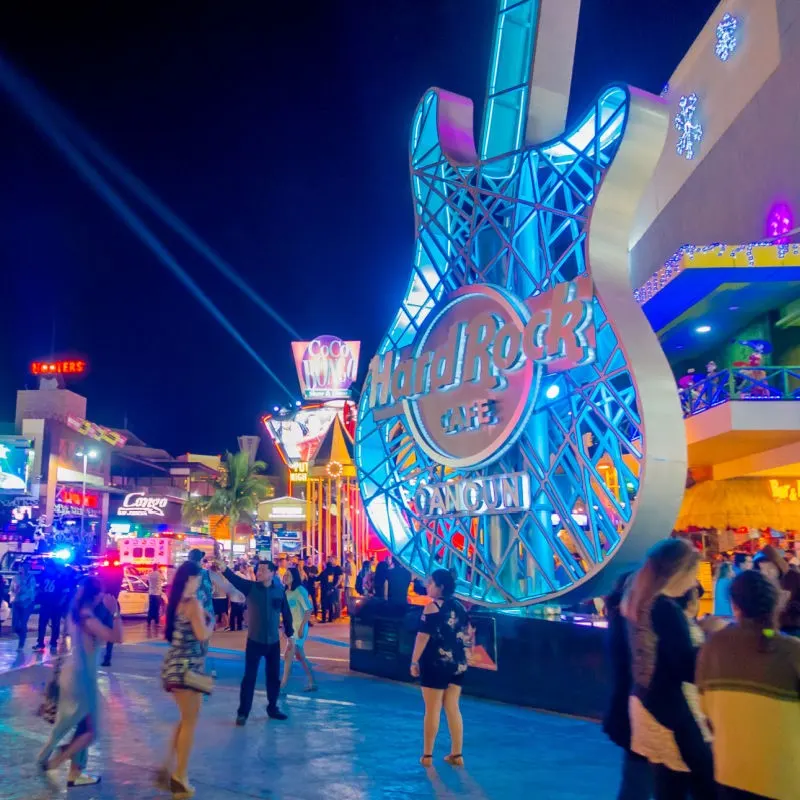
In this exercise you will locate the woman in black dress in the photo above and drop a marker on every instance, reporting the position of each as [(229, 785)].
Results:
[(440, 661), (668, 727)]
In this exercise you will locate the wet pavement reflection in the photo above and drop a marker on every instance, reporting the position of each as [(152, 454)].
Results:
[(359, 738)]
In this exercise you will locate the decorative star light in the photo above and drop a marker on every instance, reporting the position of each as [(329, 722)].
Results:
[(690, 131), (726, 37)]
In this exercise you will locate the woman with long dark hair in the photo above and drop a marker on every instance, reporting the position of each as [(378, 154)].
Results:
[(300, 608), (668, 727), (188, 628), (440, 662), (93, 619), (749, 676)]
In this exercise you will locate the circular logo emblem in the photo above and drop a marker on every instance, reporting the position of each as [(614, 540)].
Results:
[(474, 387)]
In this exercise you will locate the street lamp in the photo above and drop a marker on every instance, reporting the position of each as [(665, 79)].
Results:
[(85, 455)]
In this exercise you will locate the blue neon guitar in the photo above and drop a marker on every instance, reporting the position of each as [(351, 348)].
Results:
[(596, 465)]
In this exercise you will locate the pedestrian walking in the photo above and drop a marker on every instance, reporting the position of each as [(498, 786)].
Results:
[(749, 678), (311, 584), (266, 607), (23, 597), (112, 579), (439, 660), (300, 608), (188, 628), (637, 777), (94, 618), (330, 583), (219, 597), (238, 601), (350, 574), (155, 586), (722, 591), (668, 727), (50, 605), (205, 590)]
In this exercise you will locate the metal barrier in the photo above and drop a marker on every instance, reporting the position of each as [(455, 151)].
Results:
[(740, 383)]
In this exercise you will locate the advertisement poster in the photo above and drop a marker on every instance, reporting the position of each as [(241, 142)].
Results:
[(481, 643), (16, 463)]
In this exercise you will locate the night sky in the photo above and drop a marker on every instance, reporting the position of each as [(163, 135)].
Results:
[(279, 132)]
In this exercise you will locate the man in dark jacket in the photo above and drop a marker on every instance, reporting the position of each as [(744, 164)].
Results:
[(266, 606)]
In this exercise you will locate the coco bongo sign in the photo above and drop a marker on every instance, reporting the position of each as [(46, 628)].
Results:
[(468, 384)]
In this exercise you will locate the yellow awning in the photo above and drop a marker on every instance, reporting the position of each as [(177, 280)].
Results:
[(737, 503)]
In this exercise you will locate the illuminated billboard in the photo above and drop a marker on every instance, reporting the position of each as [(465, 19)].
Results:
[(326, 367), (16, 464), (299, 435)]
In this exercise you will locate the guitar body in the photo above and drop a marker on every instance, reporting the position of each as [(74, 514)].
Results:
[(520, 424)]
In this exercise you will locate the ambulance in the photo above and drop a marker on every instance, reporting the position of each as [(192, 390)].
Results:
[(169, 551)]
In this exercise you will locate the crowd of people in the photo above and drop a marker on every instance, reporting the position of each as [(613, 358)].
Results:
[(706, 709), (702, 707), (332, 589)]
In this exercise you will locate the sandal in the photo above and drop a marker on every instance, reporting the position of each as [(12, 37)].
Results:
[(426, 760), (311, 687), (163, 779), (179, 790), (83, 780), (455, 760)]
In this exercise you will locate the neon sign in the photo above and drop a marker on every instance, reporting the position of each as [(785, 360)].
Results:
[(784, 491), (137, 504), (72, 497), (326, 367), (96, 432), (71, 367), (298, 473), (472, 377), (517, 349), (493, 494)]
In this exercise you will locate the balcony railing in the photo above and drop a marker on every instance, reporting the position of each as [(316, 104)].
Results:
[(740, 383)]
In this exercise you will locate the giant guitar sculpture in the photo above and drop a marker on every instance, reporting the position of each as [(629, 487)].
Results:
[(519, 423)]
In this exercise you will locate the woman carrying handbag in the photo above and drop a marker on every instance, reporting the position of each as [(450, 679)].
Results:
[(188, 629)]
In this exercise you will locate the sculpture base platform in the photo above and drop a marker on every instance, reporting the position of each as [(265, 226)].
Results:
[(557, 665)]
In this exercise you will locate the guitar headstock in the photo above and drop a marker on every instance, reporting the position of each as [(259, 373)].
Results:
[(503, 427)]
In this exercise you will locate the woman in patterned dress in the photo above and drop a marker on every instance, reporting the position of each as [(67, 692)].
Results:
[(188, 629), (440, 662)]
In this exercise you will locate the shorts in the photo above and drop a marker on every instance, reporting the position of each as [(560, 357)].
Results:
[(437, 678), (220, 605)]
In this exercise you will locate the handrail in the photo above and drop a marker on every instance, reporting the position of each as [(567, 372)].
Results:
[(740, 383)]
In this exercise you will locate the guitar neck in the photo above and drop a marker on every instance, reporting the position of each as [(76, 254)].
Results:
[(529, 75)]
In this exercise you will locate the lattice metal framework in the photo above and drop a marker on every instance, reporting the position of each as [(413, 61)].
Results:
[(519, 220)]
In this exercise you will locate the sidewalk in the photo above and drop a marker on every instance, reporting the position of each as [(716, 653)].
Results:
[(357, 739)]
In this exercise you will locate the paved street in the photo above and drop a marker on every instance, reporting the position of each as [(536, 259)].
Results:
[(358, 738)]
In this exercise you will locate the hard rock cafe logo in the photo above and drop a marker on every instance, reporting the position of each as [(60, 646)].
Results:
[(468, 384)]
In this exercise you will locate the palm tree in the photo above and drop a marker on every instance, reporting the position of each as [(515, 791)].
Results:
[(240, 487)]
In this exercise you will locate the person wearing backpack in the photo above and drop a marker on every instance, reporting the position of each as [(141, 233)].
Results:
[(440, 662)]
